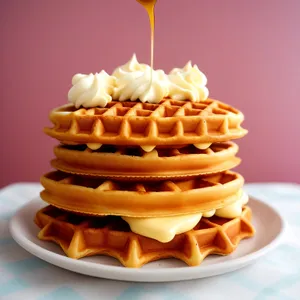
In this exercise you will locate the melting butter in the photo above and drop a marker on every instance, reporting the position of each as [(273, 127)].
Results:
[(208, 214), (164, 229), (147, 148), (202, 146), (94, 146), (235, 209)]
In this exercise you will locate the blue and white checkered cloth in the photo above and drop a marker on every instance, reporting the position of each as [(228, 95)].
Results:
[(275, 276)]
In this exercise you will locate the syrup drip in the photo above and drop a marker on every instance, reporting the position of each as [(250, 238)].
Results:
[(149, 6)]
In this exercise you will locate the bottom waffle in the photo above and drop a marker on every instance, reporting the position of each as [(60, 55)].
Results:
[(81, 236)]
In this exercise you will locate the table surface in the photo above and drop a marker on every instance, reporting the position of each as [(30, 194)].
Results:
[(275, 276)]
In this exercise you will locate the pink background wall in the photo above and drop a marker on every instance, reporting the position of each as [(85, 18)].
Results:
[(249, 51)]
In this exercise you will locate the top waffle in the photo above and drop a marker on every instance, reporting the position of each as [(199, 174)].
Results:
[(170, 122)]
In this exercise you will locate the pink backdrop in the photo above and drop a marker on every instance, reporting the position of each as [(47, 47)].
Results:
[(249, 51)]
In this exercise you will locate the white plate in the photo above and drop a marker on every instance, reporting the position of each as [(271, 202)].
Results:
[(267, 221)]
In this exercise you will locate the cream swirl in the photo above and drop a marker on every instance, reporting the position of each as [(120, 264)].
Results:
[(131, 66), (91, 90), (134, 81), (137, 81), (188, 83)]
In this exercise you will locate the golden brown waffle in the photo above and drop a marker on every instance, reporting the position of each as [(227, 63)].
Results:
[(170, 122), (134, 163), (140, 199), (81, 236)]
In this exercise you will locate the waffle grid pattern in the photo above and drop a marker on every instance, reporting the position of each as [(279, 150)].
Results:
[(164, 186), (80, 236), (133, 123), (132, 163), (155, 153), (140, 199)]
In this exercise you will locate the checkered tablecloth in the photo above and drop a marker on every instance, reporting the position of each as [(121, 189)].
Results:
[(275, 276)]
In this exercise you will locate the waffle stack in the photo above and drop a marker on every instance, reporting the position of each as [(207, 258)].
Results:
[(131, 175)]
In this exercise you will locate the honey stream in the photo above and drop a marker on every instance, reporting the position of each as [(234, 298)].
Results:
[(149, 6)]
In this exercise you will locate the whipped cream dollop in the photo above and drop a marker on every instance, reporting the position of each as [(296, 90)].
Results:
[(188, 83), (134, 81), (131, 66), (91, 90)]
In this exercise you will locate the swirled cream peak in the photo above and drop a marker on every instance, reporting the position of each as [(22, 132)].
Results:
[(91, 90), (135, 81), (131, 66), (188, 83)]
